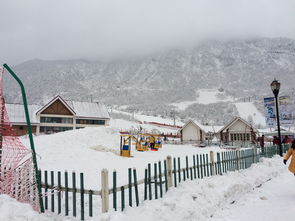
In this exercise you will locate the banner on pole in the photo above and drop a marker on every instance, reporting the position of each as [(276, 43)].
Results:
[(270, 111), (285, 109)]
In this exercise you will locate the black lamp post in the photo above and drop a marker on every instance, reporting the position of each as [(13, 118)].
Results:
[(275, 87)]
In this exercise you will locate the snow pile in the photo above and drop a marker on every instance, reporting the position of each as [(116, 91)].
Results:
[(206, 199), (11, 210)]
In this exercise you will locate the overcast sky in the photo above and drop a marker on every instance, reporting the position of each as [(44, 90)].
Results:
[(106, 29)]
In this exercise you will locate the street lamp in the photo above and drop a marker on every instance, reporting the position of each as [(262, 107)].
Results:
[(275, 87)]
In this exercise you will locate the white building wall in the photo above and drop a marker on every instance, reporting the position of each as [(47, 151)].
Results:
[(190, 132)]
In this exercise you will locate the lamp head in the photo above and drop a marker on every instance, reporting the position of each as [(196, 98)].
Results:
[(275, 87)]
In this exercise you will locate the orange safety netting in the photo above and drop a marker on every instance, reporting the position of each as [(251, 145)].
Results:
[(17, 174)]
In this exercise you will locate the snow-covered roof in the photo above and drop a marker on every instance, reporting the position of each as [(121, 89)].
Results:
[(81, 109), (195, 123), (88, 109), (234, 120), (16, 113), (205, 128)]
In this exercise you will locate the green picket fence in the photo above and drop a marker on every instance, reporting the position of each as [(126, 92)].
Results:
[(73, 199)]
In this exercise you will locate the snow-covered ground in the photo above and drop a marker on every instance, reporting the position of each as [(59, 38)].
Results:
[(263, 192), (90, 150), (247, 109)]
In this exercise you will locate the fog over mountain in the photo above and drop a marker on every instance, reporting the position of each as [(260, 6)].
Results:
[(242, 68)]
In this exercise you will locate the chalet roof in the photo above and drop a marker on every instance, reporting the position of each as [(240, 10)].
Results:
[(205, 128), (234, 120), (52, 101), (79, 109), (82, 109), (16, 113), (197, 124)]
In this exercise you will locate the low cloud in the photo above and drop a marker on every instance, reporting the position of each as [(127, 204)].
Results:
[(106, 29)]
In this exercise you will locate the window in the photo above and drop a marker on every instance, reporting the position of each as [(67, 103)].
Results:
[(89, 121), (50, 130), (240, 137), (58, 120)]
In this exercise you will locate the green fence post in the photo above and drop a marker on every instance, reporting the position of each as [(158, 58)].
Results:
[(82, 195), (66, 194), (186, 164), (160, 179), (145, 184), (179, 170), (74, 192), (194, 162), (46, 188), (59, 192), (115, 190), (130, 186), (204, 163), (198, 166), (165, 173), (201, 166), (135, 187), (207, 164), (90, 203), (174, 167), (222, 161), (52, 190), (155, 180), (122, 198), (150, 181)]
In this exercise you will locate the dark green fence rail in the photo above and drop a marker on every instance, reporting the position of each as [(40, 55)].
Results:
[(73, 199)]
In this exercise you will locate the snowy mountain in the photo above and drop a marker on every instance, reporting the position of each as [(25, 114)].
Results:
[(240, 67)]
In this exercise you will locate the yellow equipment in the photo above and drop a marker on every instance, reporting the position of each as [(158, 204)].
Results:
[(158, 142), (142, 144), (125, 146)]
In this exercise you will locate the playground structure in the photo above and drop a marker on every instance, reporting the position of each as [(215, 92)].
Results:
[(19, 176), (141, 142)]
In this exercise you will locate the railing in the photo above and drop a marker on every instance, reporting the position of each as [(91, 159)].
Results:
[(158, 178)]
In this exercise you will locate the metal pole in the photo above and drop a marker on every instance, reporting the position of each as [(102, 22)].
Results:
[(38, 180), (278, 123), (1, 134)]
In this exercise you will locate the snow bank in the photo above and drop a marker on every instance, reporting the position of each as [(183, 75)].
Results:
[(263, 192), (205, 199), (11, 210), (89, 150)]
